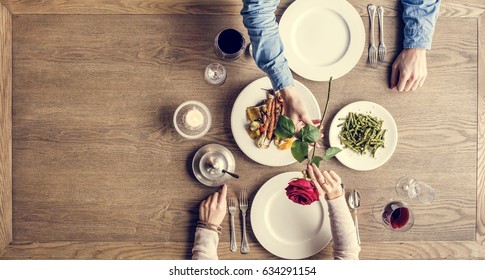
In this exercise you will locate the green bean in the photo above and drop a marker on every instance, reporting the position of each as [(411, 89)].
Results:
[(362, 133)]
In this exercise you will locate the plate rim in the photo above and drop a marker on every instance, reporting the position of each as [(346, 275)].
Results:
[(356, 28), (325, 229), (334, 131)]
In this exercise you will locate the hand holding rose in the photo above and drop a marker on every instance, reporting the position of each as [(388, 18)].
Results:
[(302, 191), (328, 183)]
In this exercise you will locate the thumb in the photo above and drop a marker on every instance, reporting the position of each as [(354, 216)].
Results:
[(394, 76)]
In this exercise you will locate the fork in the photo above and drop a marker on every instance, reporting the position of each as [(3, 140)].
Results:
[(372, 48), (382, 46), (231, 206), (243, 205)]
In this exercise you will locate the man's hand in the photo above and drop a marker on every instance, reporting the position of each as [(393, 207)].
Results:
[(409, 70), (295, 108)]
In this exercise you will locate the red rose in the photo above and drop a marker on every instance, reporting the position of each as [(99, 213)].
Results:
[(302, 191)]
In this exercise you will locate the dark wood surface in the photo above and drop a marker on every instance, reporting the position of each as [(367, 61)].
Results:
[(100, 172)]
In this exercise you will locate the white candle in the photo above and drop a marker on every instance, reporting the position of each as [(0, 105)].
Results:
[(193, 119)]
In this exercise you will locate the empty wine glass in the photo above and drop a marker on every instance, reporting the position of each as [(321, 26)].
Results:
[(414, 189), (393, 214)]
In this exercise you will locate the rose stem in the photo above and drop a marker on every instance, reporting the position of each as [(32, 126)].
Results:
[(323, 116)]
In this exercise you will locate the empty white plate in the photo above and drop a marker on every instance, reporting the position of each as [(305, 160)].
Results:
[(322, 38)]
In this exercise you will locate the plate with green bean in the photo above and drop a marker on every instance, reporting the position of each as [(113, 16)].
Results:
[(367, 134)]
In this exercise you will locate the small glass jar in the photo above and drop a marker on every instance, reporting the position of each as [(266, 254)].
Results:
[(215, 74)]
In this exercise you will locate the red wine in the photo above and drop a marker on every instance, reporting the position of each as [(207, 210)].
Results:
[(396, 214), (230, 41)]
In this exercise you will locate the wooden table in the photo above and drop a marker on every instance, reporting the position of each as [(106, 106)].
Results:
[(92, 168)]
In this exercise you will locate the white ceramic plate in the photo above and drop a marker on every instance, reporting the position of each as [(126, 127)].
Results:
[(322, 38), (287, 229), (250, 96), (365, 162)]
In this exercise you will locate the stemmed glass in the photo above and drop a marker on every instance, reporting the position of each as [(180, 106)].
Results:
[(393, 214), (414, 189)]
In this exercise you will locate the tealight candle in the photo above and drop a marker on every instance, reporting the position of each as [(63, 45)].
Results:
[(193, 119)]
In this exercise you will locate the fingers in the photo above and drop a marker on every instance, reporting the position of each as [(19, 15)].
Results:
[(394, 75), (409, 71), (327, 182), (214, 199), (329, 179), (223, 194), (305, 118), (204, 210), (335, 177), (311, 173), (401, 85)]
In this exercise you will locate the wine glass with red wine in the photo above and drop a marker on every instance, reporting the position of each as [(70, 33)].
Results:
[(393, 214), (229, 44), (414, 189)]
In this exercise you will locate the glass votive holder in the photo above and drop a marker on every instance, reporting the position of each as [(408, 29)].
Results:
[(215, 74), (192, 119)]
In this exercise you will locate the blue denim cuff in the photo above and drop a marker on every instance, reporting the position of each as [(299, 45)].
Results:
[(281, 78), (417, 38)]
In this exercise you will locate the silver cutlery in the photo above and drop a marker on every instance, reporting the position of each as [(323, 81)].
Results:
[(382, 47), (372, 48), (354, 203), (231, 206), (243, 205), (230, 173)]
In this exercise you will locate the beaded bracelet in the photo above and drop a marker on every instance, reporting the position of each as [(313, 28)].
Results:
[(209, 226)]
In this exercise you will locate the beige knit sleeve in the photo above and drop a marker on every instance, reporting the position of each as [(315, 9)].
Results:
[(205, 244), (345, 246)]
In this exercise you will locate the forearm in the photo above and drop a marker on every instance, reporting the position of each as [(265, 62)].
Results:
[(205, 244), (419, 18), (260, 21), (344, 236)]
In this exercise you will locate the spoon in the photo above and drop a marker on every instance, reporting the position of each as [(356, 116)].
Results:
[(230, 173), (354, 203), (215, 168)]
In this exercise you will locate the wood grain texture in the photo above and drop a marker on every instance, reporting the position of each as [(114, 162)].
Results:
[(100, 173), (461, 8), (96, 159), (481, 131), (5, 127), (431, 250)]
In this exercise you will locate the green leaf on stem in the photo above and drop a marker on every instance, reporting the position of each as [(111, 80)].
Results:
[(299, 150), (316, 160), (331, 152), (285, 128), (309, 134)]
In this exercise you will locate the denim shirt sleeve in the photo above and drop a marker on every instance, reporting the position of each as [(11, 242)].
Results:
[(419, 18), (260, 21)]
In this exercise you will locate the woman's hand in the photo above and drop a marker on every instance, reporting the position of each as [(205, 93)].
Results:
[(212, 210), (328, 183)]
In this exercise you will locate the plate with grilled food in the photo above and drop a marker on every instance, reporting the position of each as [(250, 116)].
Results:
[(254, 117)]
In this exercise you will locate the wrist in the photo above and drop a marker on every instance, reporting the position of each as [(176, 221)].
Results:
[(209, 226), (336, 193)]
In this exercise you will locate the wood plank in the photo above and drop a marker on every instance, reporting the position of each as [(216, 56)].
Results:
[(96, 158), (435, 250), (5, 127), (461, 8), (481, 132)]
